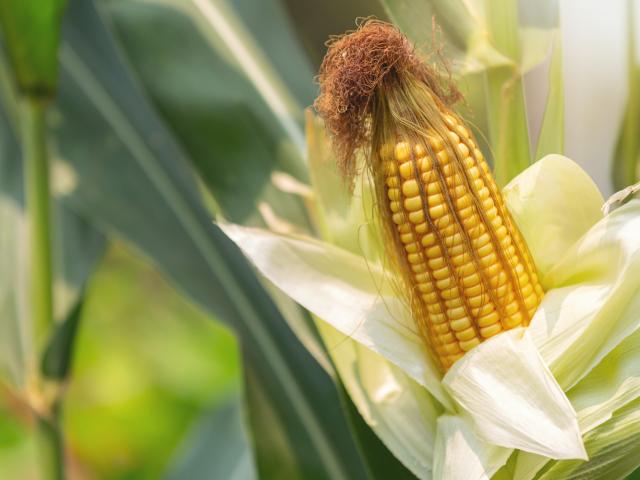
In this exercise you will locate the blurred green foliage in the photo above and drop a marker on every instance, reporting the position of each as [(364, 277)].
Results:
[(147, 365)]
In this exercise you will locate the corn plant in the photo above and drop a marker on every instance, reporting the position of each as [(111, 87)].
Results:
[(374, 341)]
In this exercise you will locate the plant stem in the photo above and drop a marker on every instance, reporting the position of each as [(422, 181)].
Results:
[(38, 208), (50, 445), (36, 174)]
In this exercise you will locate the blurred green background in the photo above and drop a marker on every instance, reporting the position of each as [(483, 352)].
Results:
[(156, 119), (149, 368), (156, 380)]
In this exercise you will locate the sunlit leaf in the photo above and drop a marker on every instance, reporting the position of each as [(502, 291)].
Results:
[(342, 217), (380, 462), (625, 160), (551, 138), (592, 305), (611, 385), (460, 31), (506, 110), (613, 448), (460, 455), (399, 411), (533, 415), (554, 202)]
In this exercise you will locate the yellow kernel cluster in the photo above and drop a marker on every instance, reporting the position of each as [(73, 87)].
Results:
[(468, 266)]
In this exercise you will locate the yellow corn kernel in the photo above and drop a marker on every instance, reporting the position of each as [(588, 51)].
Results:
[(469, 344), (436, 143), (467, 262), (467, 334), (410, 188), (413, 204), (421, 228), (412, 248), (406, 170), (490, 330), (402, 152), (416, 217)]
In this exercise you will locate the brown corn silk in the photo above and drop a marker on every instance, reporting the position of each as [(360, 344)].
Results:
[(465, 268)]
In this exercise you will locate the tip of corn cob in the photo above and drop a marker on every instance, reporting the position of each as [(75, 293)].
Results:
[(357, 65)]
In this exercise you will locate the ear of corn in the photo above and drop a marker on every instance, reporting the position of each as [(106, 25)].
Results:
[(466, 270), (466, 265)]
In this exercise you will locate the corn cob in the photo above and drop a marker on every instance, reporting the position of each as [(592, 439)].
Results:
[(465, 268), (470, 271)]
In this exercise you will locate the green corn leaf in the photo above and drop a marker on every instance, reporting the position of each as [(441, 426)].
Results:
[(414, 18), (134, 181), (220, 23), (31, 32), (223, 115), (625, 160), (551, 138), (273, 440), (232, 135), (508, 127), (57, 358), (627, 152), (523, 34)]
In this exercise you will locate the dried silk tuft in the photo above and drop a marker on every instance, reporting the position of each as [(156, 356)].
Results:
[(356, 66)]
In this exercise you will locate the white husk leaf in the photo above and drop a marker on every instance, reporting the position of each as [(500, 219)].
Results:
[(554, 203), (344, 290), (460, 455), (594, 303), (512, 398), (399, 411), (611, 385)]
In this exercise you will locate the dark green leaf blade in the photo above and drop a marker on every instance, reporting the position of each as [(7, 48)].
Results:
[(135, 181), (216, 448), (56, 361), (231, 134)]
